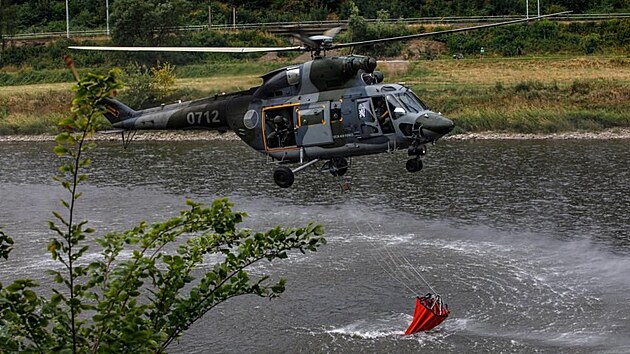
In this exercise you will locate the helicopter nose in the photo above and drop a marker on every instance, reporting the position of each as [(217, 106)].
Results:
[(436, 123)]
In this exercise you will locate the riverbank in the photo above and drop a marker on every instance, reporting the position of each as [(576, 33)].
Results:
[(197, 135), (528, 95), (617, 133)]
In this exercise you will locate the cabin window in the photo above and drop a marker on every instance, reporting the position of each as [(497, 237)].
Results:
[(409, 103), (417, 99), (278, 128), (392, 104)]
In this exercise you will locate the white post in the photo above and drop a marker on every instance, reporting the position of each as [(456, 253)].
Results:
[(527, 8), (234, 17), (209, 17), (67, 21), (538, 8), (107, 14)]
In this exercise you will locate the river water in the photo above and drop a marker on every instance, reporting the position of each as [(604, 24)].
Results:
[(527, 241)]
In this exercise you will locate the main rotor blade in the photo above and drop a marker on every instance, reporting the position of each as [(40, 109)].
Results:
[(193, 49), (420, 35), (332, 32)]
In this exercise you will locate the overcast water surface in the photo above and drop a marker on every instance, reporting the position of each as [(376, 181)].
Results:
[(527, 241)]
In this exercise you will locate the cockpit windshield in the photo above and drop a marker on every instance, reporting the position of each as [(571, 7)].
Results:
[(412, 102)]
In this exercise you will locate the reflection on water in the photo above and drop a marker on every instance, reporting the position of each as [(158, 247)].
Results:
[(529, 241)]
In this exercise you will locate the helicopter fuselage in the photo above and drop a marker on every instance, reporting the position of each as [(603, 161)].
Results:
[(326, 108)]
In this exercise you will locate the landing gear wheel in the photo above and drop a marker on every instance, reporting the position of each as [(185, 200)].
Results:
[(283, 176), (417, 150), (414, 165), (338, 166)]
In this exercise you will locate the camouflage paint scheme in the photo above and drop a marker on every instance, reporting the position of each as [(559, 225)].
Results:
[(325, 107)]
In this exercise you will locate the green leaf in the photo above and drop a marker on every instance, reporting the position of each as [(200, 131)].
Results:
[(319, 230), (29, 295), (55, 300), (60, 150), (15, 287)]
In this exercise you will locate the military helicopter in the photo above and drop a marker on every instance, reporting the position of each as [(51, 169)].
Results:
[(326, 109)]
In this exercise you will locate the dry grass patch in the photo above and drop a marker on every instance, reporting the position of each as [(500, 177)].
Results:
[(220, 83), (36, 89), (511, 71)]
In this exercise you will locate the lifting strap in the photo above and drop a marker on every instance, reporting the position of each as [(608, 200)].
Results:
[(430, 310)]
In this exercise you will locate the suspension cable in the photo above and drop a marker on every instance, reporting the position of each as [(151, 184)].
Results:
[(387, 267), (392, 255)]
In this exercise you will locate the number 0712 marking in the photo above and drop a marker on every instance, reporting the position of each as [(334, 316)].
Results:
[(201, 117)]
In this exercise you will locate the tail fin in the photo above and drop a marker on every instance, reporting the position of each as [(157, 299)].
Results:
[(116, 111)]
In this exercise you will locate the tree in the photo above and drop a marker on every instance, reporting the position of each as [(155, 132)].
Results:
[(7, 22), (148, 87), (141, 303), (360, 30), (147, 22)]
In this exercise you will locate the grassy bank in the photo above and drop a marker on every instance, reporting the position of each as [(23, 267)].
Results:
[(526, 95), (520, 95)]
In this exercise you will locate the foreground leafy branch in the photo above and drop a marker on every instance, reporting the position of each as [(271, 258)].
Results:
[(6, 245), (137, 296)]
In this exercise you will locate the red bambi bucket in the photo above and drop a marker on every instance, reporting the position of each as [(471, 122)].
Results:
[(430, 312)]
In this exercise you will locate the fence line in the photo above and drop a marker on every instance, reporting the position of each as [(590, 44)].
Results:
[(288, 27)]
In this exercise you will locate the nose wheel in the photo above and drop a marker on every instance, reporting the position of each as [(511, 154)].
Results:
[(414, 165), (416, 150)]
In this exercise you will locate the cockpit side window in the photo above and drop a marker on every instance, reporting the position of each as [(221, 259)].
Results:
[(392, 103)]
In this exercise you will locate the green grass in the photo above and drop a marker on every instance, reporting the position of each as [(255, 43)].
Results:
[(553, 101), (32, 125)]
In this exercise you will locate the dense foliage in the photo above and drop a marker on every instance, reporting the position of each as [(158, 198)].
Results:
[(149, 87), (49, 15), (546, 37), (155, 22), (26, 64)]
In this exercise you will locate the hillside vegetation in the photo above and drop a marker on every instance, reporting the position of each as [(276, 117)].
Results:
[(50, 15), (155, 23)]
